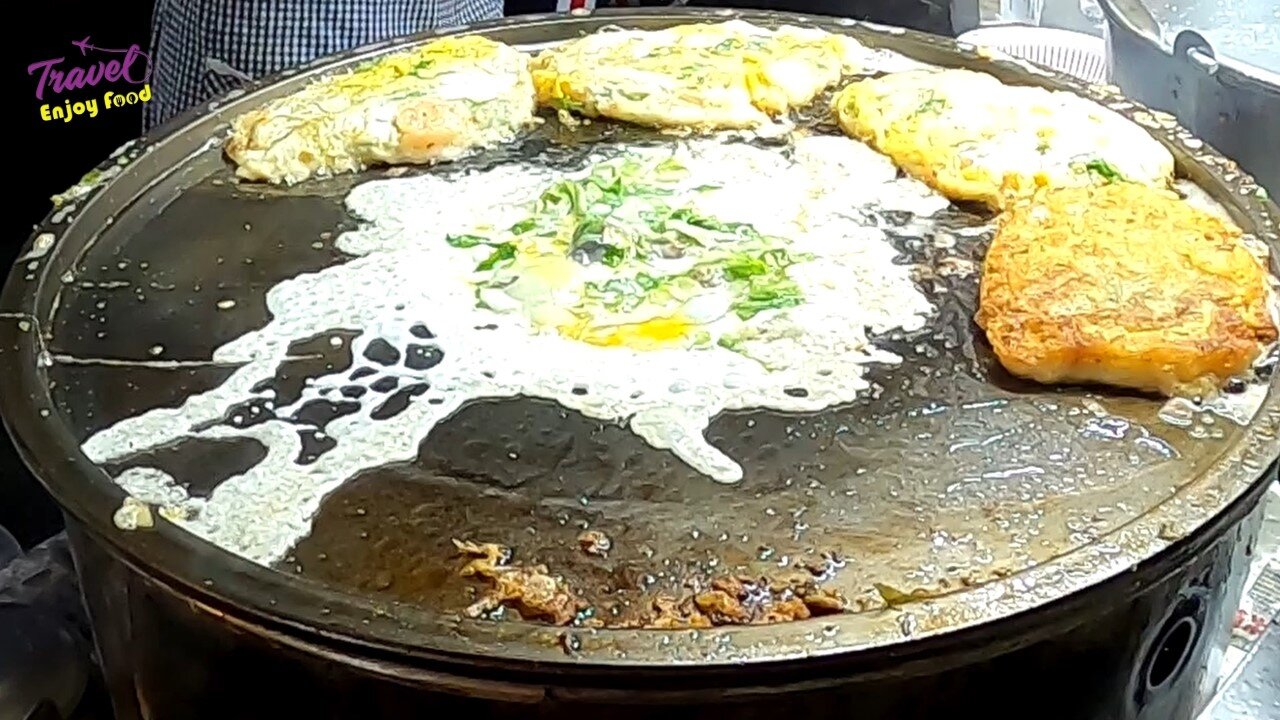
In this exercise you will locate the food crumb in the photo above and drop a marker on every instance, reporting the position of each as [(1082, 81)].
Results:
[(743, 601), (529, 590), (176, 513), (595, 542), (133, 514), (570, 643)]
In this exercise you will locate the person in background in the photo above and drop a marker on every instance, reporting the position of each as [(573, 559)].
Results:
[(201, 49)]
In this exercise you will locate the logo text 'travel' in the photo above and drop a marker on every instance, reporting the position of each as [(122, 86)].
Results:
[(127, 71)]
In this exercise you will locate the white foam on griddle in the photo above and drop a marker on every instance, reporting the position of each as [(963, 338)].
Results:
[(824, 200), (154, 487)]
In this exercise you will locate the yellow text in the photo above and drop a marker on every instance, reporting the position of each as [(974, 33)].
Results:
[(111, 99)]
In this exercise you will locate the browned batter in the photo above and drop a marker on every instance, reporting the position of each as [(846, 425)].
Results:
[(1123, 285)]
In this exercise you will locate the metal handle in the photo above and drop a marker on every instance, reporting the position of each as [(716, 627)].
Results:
[(1205, 61), (1196, 49)]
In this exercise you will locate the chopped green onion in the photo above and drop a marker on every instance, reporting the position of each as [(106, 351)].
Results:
[(730, 342), (577, 212), (785, 294), (670, 170), (933, 104), (466, 241), (647, 282), (1104, 170), (613, 256), (501, 254), (564, 103), (524, 226)]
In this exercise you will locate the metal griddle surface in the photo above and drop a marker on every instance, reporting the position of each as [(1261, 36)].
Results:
[(972, 493)]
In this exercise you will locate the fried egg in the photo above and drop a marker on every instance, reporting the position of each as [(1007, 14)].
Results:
[(731, 75), (974, 138), (433, 104)]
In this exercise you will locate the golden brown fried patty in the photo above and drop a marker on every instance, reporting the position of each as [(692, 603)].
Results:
[(1125, 285)]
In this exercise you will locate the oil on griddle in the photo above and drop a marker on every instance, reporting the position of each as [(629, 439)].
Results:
[(943, 475)]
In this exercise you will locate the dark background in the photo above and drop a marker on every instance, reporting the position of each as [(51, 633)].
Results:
[(52, 156)]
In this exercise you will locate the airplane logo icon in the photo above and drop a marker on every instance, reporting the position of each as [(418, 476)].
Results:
[(84, 45)]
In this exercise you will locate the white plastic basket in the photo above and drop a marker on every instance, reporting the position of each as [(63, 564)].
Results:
[(1083, 56)]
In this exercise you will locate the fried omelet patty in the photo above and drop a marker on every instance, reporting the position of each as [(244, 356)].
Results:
[(731, 75), (1123, 285), (974, 138), (431, 104)]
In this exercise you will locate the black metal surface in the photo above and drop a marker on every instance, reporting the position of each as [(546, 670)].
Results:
[(127, 264)]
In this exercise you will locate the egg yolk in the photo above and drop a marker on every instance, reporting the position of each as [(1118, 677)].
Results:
[(653, 334)]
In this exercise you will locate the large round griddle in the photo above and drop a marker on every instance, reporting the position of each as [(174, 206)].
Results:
[(952, 497)]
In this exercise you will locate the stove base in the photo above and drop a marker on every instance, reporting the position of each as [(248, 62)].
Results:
[(1150, 654)]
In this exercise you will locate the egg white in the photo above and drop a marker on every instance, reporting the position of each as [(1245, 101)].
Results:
[(804, 358)]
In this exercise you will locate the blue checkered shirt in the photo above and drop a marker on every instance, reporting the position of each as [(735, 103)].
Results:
[(203, 48)]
